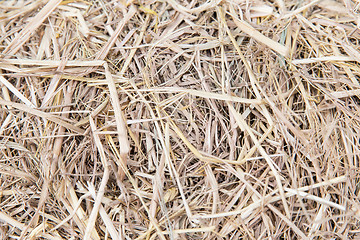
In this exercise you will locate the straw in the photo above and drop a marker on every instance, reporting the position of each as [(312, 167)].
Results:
[(205, 119)]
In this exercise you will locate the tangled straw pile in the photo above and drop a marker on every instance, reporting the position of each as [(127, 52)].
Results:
[(179, 120)]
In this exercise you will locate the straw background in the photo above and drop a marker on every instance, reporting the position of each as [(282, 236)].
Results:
[(219, 119)]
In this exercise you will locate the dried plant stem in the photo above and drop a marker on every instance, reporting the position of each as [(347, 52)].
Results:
[(120, 121)]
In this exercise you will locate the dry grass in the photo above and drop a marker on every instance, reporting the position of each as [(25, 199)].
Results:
[(179, 120)]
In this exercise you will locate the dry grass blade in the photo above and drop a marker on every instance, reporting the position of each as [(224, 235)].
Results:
[(16, 92), (39, 113), (120, 121), (100, 194), (53, 63), (322, 59), (30, 28), (248, 29), (106, 48)]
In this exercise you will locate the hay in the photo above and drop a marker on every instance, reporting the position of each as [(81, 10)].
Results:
[(179, 120)]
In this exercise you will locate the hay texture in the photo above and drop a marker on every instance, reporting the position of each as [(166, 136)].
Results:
[(179, 119)]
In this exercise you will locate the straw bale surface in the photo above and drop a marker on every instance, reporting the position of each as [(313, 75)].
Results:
[(175, 119)]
